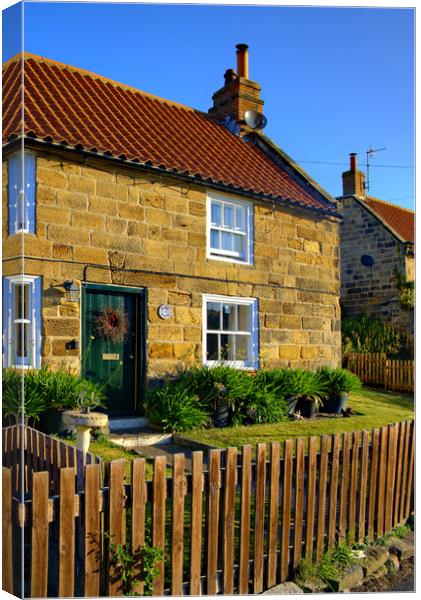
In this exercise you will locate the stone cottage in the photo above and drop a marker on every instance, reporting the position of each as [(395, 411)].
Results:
[(156, 236), (377, 252)]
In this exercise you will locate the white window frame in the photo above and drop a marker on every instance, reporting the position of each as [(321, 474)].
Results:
[(22, 209), (252, 362), (226, 255), (34, 354)]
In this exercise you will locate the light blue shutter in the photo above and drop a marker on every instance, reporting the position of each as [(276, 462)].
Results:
[(30, 192), (13, 185), (36, 315), (7, 307)]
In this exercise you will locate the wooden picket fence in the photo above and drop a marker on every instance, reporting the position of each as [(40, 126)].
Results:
[(376, 369), (239, 526), (40, 452)]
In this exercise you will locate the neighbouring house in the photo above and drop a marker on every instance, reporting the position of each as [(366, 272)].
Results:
[(377, 252), (156, 236)]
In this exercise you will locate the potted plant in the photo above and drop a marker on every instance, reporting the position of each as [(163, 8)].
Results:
[(174, 409), (340, 383), (47, 394), (312, 394), (13, 408), (222, 391)]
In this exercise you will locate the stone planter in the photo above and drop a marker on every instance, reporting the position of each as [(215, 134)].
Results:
[(83, 423)]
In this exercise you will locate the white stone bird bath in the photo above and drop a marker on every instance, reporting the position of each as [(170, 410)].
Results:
[(83, 423)]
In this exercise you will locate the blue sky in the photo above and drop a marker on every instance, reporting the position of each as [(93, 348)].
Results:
[(334, 80)]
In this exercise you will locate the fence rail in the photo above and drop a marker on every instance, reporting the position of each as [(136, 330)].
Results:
[(239, 526), (375, 368)]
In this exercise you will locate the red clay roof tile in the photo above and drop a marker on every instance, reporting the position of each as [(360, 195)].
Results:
[(81, 109), (401, 220)]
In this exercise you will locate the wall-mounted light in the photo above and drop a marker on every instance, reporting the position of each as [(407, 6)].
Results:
[(72, 291)]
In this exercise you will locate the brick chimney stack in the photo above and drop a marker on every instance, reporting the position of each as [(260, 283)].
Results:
[(353, 181), (238, 95)]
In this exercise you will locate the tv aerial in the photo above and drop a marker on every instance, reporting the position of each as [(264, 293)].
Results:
[(255, 120), (369, 155)]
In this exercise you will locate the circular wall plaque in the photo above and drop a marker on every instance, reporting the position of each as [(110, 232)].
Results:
[(164, 311)]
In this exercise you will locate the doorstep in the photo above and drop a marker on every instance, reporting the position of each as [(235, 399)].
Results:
[(140, 437), (127, 423)]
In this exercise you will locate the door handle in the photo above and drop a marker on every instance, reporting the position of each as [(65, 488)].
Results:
[(131, 356)]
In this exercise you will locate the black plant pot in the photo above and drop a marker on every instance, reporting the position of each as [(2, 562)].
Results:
[(220, 417), (307, 408), (339, 401), (51, 421), (292, 402)]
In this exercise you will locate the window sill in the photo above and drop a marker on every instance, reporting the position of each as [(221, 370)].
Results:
[(229, 259), (229, 363)]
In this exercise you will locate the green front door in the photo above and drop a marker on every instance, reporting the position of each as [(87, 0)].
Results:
[(113, 360)]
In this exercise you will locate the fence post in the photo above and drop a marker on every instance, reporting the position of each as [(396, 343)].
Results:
[(386, 374), (39, 535), (273, 513), (213, 520), (7, 533), (177, 541), (229, 520), (196, 523), (243, 586), (259, 517)]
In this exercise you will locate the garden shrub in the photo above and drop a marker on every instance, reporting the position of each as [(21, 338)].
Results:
[(45, 389), (265, 406), (296, 383), (175, 408), (339, 380), (212, 384), (363, 334), (32, 406)]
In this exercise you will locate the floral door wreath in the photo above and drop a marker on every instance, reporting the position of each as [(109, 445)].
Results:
[(112, 324)]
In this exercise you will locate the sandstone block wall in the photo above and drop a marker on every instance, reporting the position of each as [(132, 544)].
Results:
[(113, 225), (370, 290)]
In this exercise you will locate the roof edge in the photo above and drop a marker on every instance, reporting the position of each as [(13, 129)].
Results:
[(360, 200), (265, 143), (195, 179)]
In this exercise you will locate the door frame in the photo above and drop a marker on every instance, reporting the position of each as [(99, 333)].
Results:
[(141, 333)]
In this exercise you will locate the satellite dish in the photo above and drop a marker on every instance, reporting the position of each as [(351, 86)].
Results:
[(254, 119), (367, 260)]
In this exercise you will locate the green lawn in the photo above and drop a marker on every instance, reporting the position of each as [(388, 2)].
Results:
[(374, 408)]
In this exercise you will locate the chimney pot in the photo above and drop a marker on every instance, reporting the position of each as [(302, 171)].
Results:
[(229, 75), (238, 95), (353, 181), (242, 60)]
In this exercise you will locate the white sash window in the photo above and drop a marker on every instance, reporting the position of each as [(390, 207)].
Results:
[(229, 229), (230, 331), (22, 321), (21, 192)]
